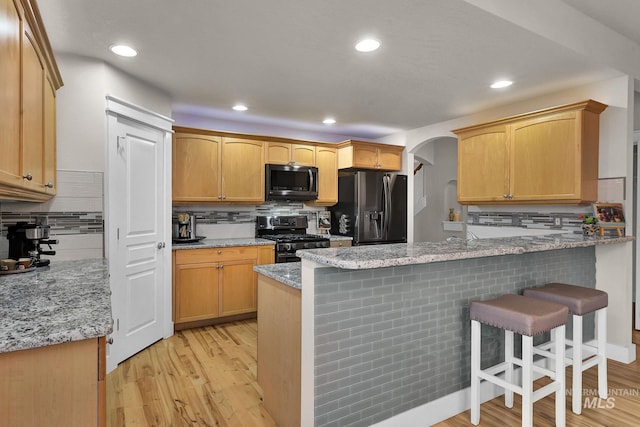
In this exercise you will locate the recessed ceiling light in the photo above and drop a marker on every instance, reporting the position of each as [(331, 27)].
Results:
[(123, 50), (501, 83), (240, 107), (329, 121), (367, 45)]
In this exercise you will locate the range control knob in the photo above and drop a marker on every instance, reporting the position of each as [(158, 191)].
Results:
[(287, 246), (320, 245)]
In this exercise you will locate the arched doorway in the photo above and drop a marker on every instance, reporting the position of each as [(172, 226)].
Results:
[(435, 191)]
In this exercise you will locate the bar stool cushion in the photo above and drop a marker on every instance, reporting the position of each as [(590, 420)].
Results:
[(520, 314), (579, 299)]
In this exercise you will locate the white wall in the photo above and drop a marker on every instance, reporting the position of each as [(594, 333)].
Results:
[(81, 118)]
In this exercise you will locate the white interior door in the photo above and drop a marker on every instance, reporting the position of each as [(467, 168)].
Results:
[(138, 224)]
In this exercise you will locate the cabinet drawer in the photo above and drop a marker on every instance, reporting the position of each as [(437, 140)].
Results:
[(190, 256)]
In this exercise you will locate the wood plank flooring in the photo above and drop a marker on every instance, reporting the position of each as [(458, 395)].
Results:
[(621, 410), (198, 377), (207, 377)]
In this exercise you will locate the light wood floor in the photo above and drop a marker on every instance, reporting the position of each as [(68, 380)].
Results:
[(198, 377), (207, 377)]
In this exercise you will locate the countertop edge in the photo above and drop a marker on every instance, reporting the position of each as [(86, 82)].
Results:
[(502, 246)]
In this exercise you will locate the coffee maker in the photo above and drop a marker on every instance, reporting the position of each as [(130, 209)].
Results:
[(25, 240)]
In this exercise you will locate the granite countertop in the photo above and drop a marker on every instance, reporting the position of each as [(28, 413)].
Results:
[(223, 243), (68, 301), (289, 273), (378, 256)]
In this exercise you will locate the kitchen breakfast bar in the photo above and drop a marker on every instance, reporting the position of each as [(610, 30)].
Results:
[(384, 334)]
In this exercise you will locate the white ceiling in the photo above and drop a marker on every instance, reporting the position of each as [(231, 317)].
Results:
[(294, 60)]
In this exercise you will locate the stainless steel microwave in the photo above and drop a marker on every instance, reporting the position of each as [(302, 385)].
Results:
[(286, 182)]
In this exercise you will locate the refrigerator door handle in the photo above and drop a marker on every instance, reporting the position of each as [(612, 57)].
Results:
[(387, 205)]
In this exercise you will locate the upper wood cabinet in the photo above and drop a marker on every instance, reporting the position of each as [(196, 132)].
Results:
[(242, 170), (546, 157), (327, 163), (196, 166), (29, 81), (208, 168), (369, 155), (282, 153)]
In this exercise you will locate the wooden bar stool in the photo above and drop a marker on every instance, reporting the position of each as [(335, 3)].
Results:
[(527, 317), (580, 301)]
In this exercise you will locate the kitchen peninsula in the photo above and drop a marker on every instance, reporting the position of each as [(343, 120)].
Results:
[(385, 329), (53, 323)]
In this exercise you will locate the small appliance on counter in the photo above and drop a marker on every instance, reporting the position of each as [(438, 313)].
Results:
[(290, 234), (25, 240), (184, 229)]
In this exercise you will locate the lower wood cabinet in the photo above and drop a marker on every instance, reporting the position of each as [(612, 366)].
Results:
[(56, 385), (340, 243), (214, 283)]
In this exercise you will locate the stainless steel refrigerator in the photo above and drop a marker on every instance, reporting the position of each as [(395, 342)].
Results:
[(371, 208)]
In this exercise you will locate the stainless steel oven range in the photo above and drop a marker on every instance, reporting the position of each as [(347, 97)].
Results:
[(290, 234)]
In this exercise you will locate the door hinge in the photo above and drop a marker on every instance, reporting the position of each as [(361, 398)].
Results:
[(117, 324), (118, 233)]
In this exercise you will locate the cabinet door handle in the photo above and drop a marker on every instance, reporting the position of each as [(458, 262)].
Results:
[(110, 340), (28, 176), (511, 196), (219, 252), (49, 184), (161, 245), (505, 196)]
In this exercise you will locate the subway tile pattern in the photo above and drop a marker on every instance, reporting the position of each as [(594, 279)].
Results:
[(390, 339), (568, 221), (61, 223), (226, 215)]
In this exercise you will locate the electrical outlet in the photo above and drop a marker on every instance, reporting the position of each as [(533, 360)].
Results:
[(557, 222)]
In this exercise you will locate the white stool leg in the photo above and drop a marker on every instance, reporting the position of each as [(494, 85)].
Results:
[(527, 381), (508, 373), (576, 392), (558, 335), (475, 370), (601, 330)]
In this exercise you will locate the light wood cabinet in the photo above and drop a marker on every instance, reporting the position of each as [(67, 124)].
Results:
[(282, 153), (196, 165), (242, 170), (483, 165), (327, 164), (197, 293), (10, 48), (57, 385), (369, 155), (211, 169), (214, 283), (27, 112), (340, 243), (546, 157), (237, 287)]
